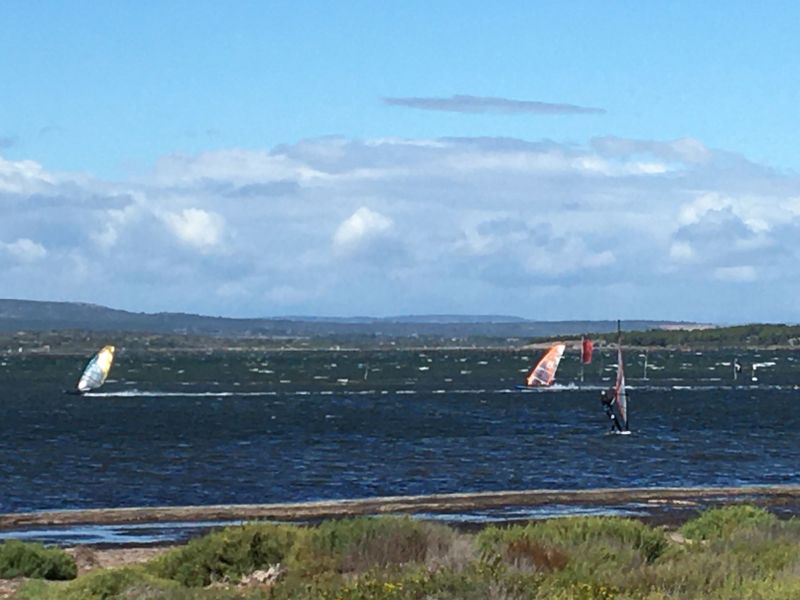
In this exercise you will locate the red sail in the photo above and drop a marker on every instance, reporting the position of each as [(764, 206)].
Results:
[(586, 351)]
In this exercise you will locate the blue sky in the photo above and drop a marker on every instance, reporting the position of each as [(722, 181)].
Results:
[(140, 114), (122, 83)]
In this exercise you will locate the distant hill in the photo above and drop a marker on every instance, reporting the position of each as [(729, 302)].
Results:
[(29, 315)]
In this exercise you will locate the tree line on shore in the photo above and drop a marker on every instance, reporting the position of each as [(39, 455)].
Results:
[(756, 335)]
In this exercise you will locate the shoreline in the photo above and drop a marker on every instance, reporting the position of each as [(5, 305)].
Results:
[(659, 500)]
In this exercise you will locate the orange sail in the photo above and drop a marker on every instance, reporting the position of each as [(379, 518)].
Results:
[(544, 373)]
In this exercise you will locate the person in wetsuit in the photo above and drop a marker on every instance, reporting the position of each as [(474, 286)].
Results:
[(607, 398)]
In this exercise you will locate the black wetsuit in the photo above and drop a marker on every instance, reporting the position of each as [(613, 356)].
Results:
[(607, 398)]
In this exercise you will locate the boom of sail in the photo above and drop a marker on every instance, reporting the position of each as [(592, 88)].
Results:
[(96, 372), (544, 373)]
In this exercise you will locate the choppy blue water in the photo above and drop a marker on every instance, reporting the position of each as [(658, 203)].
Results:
[(214, 429)]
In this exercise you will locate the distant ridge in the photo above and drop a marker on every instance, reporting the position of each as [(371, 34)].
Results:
[(33, 315)]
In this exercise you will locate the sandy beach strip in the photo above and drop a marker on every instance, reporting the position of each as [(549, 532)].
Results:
[(772, 495)]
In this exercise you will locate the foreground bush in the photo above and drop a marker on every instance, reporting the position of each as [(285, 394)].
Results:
[(549, 544), (362, 544), (20, 559), (126, 582), (226, 555), (747, 554), (716, 523)]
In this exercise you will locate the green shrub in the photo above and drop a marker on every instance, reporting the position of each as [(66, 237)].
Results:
[(20, 559), (128, 583), (573, 534), (718, 523), (103, 584), (403, 559), (419, 584), (361, 544), (227, 554)]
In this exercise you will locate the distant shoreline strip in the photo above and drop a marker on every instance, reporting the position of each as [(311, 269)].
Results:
[(434, 503)]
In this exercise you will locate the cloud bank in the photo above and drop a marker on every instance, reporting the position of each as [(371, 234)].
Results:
[(336, 226), (489, 104)]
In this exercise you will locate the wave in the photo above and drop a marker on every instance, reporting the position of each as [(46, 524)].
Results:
[(667, 387)]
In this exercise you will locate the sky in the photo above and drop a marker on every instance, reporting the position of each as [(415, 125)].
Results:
[(551, 160)]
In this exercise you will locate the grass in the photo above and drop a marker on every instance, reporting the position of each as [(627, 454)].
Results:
[(738, 552)]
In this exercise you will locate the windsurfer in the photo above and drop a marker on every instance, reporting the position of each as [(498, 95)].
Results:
[(607, 398)]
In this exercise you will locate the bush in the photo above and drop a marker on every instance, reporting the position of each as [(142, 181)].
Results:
[(227, 554), (404, 559), (417, 584), (718, 523), (20, 559), (566, 536), (129, 582), (361, 544)]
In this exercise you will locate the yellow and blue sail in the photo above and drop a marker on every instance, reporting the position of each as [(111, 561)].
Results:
[(95, 373)]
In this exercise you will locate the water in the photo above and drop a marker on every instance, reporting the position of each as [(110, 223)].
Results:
[(218, 428), (138, 534)]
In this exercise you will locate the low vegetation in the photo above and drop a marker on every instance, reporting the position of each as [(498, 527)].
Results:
[(18, 559), (758, 335), (737, 552)]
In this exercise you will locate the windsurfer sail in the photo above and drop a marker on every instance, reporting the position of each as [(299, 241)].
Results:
[(587, 346), (615, 400), (543, 373), (621, 395), (95, 373)]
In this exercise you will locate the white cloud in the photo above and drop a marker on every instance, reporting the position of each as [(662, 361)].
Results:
[(360, 227), (196, 227), (25, 250), (681, 251), (335, 225), (236, 166), (739, 274)]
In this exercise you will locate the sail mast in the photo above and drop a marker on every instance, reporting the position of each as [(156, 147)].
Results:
[(621, 392)]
